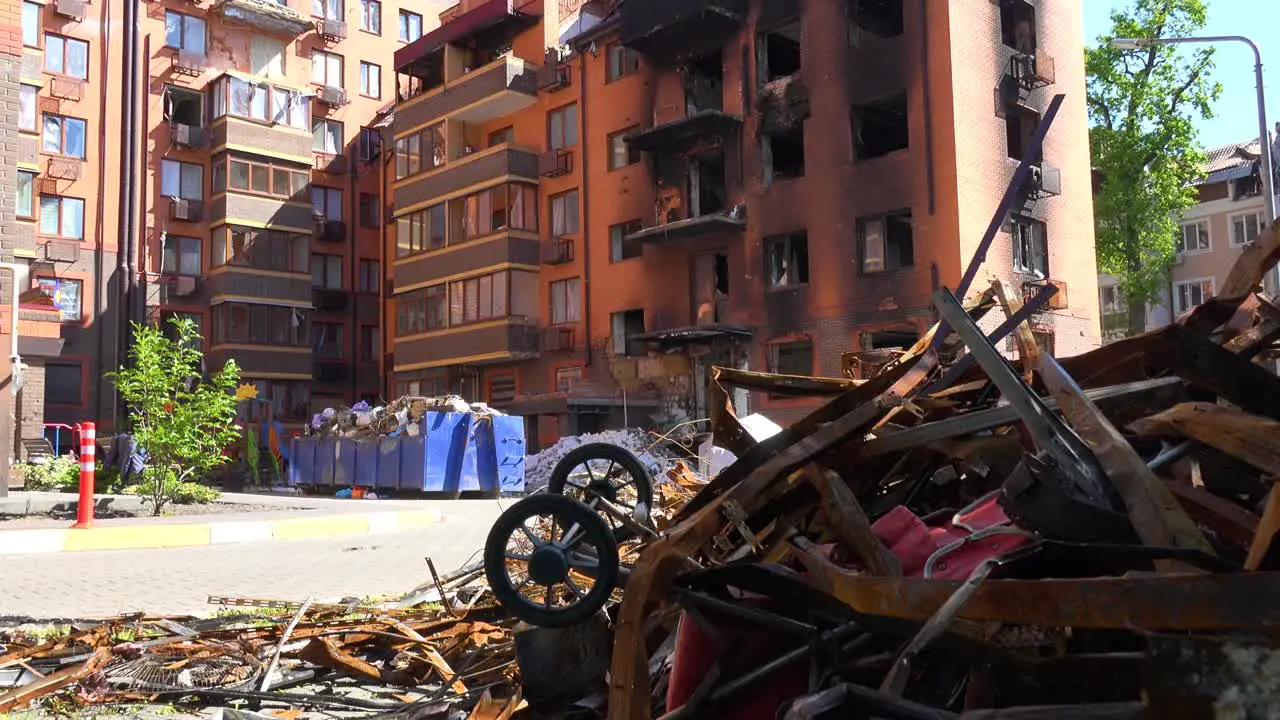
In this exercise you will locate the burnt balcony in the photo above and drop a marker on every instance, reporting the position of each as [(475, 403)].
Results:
[(1044, 181), (708, 127), (500, 88), (470, 24), (676, 224), (504, 340), (783, 103), (1057, 301), (557, 251), (1033, 70), (666, 27), (263, 15)]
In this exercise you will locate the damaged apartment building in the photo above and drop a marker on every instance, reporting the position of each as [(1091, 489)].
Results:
[(771, 185)]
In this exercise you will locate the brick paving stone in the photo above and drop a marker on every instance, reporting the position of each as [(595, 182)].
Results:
[(179, 580)]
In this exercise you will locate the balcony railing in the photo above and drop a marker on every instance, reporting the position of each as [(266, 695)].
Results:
[(557, 251), (330, 230), (1032, 71), (663, 27), (1044, 181)]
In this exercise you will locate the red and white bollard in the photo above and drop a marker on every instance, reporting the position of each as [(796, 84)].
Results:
[(88, 463)]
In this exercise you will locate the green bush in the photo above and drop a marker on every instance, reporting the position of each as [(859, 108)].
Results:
[(181, 493), (60, 473)]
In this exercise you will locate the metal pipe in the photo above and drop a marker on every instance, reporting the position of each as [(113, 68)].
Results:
[(585, 226), (21, 276)]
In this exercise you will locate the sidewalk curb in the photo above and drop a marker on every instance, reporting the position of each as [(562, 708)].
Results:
[(34, 541)]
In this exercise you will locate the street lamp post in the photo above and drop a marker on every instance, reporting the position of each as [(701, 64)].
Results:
[(1264, 149)]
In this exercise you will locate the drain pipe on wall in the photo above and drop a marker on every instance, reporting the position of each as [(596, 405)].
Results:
[(583, 138), (21, 276)]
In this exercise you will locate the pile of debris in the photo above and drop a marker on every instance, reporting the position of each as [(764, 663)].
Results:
[(538, 467), (401, 416)]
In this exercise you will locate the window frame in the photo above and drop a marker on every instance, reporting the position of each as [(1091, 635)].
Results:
[(624, 69), (564, 290), (788, 243), (618, 241), (63, 122), (370, 149), (326, 57), (221, 96), (184, 18), (58, 400), (369, 276), (427, 139), (1259, 224), (562, 113), (774, 349), (176, 268), (33, 92), (223, 163), (1188, 283), (370, 342), (318, 122), (403, 29), (577, 213), (484, 289), (864, 223), (369, 209), (280, 328), (62, 200), (30, 176), (332, 201), (367, 71), (182, 167), (630, 155), (294, 247), (63, 316), (1180, 245), (339, 11), (371, 16), (1040, 233), (330, 271), (67, 43), (37, 29), (337, 346)]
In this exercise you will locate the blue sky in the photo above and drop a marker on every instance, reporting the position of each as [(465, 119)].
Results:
[(1236, 116)]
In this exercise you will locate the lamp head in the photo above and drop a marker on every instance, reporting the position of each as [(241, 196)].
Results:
[(1128, 43)]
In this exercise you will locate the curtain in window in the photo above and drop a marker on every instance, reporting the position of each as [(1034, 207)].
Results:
[(456, 303), (558, 216), (73, 218), (471, 219)]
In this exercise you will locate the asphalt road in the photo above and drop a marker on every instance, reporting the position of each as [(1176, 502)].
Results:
[(180, 580)]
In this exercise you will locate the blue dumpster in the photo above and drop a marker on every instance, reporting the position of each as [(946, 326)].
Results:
[(453, 453)]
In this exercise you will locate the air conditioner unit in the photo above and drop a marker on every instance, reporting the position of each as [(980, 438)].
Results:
[(189, 136), (1177, 259), (331, 29), (333, 96), (184, 210), (73, 9)]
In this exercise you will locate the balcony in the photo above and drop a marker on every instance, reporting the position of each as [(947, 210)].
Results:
[(265, 360), (1057, 301), (329, 300), (555, 163), (500, 88), (188, 63), (555, 74), (245, 282), (559, 339), (184, 210), (515, 247), (331, 231), (557, 251), (192, 137), (260, 210), (1032, 71), (470, 23), (676, 227), (178, 288), (1044, 181), (331, 164), (331, 30), (468, 171), (263, 15), (666, 27), (272, 140), (681, 134), (505, 340), (331, 371)]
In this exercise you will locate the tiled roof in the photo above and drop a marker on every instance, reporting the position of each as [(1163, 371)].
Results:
[(1226, 156)]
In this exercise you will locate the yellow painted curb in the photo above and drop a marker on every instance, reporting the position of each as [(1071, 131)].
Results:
[(416, 518), (297, 528), (135, 537)]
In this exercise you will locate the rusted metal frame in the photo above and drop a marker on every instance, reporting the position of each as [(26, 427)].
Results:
[(872, 703), (1250, 343), (1196, 602), (326, 654), (284, 638), (1246, 275), (1268, 527), (726, 429), (23, 695), (658, 565), (850, 523), (1048, 432), (1028, 350), (895, 682), (1015, 320), (784, 384), (1157, 517), (977, 421), (1011, 193), (1228, 520), (1253, 439), (829, 412)]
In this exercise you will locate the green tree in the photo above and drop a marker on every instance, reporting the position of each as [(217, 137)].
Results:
[(182, 420), (1143, 105)]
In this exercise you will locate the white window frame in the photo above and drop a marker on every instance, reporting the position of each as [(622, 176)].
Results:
[(1173, 294), (1207, 235), (370, 80), (322, 70), (168, 179), (404, 26), (191, 30), (1231, 226)]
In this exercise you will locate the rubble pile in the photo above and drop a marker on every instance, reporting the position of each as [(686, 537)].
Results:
[(956, 536), (538, 467), (400, 416)]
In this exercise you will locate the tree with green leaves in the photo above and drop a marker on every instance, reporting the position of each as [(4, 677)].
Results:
[(1143, 105), (182, 420)]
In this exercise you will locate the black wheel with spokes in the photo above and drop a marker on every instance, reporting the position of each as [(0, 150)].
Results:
[(551, 561), (601, 470)]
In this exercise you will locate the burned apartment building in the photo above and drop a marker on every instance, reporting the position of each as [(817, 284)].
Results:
[(599, 201)]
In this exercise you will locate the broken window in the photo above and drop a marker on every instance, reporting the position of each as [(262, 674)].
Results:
[(880, 127), (184, 107), (889, 339), (1044, 340), (626, 325), (707, 192), (783, 154), (878, 17), (1020, 125), (621, 245), (1018, 25), (703, 83), (1030, 246), (886, 242), (779, 51), (787, 260), (794, 357)]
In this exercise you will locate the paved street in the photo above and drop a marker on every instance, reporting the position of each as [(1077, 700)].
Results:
[(179, 580)]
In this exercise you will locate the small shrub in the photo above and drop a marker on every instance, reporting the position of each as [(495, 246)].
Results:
[(60, 473), (180, 493)]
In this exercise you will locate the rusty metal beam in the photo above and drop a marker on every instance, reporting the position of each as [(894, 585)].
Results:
[(1253, 439), (850, 523)]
